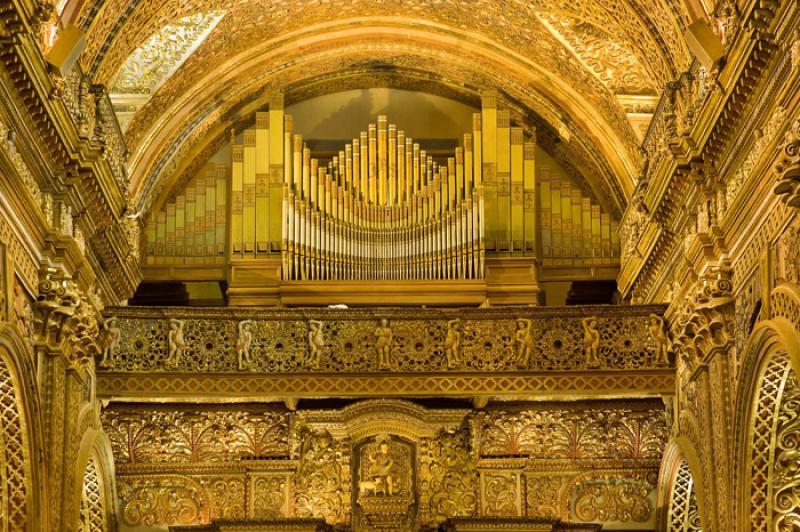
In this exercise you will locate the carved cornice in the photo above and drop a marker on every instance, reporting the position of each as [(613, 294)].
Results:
[(80, 166)]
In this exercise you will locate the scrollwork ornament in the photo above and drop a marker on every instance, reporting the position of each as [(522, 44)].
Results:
[(448, 475), (786, 472), (320, 478), (787, 168), (162, 502), (616, 499)]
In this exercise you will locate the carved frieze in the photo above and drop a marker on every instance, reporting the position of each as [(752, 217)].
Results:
[(574, 434), (355, 341), (195, 436)]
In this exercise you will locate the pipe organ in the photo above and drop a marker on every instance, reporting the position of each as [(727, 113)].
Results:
[(382, 215), (190, 228)]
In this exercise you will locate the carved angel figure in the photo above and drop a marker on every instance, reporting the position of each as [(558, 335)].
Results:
[(383, 344), (523, 340), (655, 326), (177, 345), (110, 341), (243, 344), (591, 341), (452, 343), (316, 343)]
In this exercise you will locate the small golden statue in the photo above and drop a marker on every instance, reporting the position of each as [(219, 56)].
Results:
[(243, 344), (452, 343), (655, 326), (316, 343), (110, 341), (591, 341), (380, 469), (383, 344), (177, 344), (523, 339)]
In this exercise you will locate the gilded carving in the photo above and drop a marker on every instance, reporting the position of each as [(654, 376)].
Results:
[(176, 342), (186, 436), (227, 497), (110, 341), (704, 322), (524, 342), (316, 343), (447, 476), (383, 344), (613, 499), (243, 344), (167, 501), (500, 493), (567, 434), (385, 480), (452, 343), (788, 166), (492, 340), (656, 330), (591, 341), (320, 482), (270, 496), (64, 318), (785, 475)]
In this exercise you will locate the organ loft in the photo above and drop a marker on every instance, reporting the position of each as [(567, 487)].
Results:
[(354, 266)]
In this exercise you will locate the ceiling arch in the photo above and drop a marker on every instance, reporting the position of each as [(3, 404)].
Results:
[(564, 66), (155, 133)]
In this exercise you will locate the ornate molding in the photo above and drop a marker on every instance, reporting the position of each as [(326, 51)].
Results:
[(353, 341), (704, 322), (787, 168)]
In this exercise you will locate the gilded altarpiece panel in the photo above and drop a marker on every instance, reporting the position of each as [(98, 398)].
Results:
[(389, 464)]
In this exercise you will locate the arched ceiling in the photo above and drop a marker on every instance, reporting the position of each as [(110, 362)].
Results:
[(568, 68)]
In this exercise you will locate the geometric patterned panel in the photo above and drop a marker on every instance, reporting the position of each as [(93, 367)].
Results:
[(13, 481), (683, 515)]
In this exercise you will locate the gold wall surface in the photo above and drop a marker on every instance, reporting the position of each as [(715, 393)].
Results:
[(388, 464)]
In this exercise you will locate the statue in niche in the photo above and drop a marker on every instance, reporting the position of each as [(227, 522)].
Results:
[(383, 344), (380, 473), (110, 341), (523, 340), (177, 344), (316, 343), (591, 341), (243, 344), (655, 326), (452, 343)]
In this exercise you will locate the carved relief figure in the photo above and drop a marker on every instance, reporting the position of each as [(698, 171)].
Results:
[(177, 345), (316, 343), (656, 329), (452, 343), (523, 341), (383, 344), (591, 341), (381, 467), (319, 477), (243, 344), (110, 342), (23, 312)]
